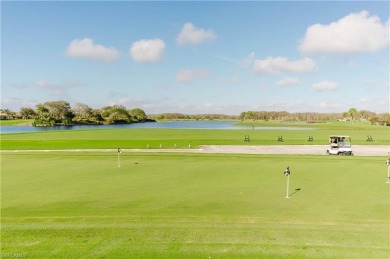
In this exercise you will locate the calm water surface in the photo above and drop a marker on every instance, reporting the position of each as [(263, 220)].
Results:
[(147, 125)]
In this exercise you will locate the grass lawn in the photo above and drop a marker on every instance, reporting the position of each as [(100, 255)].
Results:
[(183, 138), (15, 122), (81, 205)]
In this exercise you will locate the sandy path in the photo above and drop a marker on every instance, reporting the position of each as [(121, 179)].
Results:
[(358, 150)]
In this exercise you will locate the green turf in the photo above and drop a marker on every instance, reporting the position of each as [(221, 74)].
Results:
[(183, 138), (15, 122), (81, 205)]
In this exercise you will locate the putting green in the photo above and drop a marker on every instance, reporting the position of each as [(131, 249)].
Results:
[(158, 205)]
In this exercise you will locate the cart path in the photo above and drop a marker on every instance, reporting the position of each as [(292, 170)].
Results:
[(358, 150)]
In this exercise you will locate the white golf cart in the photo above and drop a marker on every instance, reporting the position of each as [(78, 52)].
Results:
[(340, 145)]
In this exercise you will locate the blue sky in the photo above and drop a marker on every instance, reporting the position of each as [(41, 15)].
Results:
[(197, 57)]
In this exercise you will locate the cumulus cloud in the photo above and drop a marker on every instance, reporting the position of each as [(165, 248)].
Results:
[(354, 33), (186, 76), (147, 51), (272, 65), (325, 86), (288, 81), (86, 48), (190, 35)]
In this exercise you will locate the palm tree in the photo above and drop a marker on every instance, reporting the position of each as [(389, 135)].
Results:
[(352, 112)]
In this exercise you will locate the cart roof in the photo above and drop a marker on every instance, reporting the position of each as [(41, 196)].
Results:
[(339, 136)]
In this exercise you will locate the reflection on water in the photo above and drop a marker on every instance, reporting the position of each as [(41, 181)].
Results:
[(147, 125)]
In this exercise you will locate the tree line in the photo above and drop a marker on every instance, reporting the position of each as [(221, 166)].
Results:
[(61, 113), (180, 116), (311, 117)]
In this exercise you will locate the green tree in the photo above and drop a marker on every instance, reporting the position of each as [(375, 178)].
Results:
[(138, 114), (9, 115), (374, 119), (44, 117), (115, 114), (384, 119), (53, 113), (27, 113), (364, 114), (60, 111), (85, 114), (352, 112)]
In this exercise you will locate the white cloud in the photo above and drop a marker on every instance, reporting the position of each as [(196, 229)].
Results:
[(288, 81), (354, 33), (86, 48), (363, 100), (147, 51), (14, 104), (325, 86), (272, 65), (191, 35), (186, 76), (330, 106)]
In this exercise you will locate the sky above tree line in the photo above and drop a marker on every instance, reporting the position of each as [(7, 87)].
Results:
[(197, 57)]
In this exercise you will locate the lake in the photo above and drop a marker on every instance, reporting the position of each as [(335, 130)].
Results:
[(229, 125)]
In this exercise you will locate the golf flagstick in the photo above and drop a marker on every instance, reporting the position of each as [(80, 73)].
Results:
[(119, 160), (388, 174), (287, 173)]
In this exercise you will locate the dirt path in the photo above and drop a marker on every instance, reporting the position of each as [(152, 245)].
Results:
[(358, 150)]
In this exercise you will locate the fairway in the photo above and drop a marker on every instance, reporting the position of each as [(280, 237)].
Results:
[(160, 205), (185, 138)]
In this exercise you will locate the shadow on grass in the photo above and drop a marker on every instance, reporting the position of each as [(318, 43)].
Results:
[(296, 190)]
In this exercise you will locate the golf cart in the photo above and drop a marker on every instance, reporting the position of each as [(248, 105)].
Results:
[(340, 145)]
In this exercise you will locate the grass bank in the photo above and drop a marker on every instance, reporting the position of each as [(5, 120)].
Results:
[(15, 122)]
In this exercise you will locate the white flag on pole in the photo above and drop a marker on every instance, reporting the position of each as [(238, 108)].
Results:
[(287, 171)]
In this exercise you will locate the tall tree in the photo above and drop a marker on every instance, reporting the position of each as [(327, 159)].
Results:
[(83, 114), (9, 115), (138, 114), (115, 114), (352, 113), (27, 113), (43, 118), (60, 111), (54, 112)]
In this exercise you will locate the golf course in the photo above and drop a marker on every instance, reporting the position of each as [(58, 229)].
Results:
[(85, 203)]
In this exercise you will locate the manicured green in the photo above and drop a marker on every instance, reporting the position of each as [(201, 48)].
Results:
[(81, 205), (183, 138), (15, 122)]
